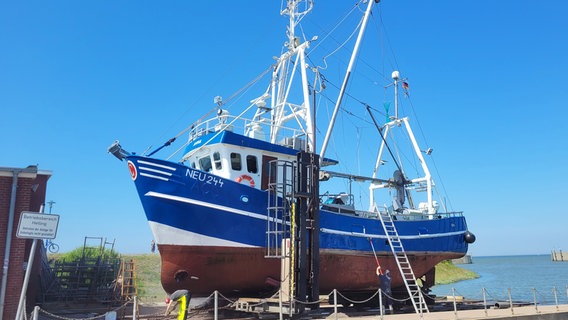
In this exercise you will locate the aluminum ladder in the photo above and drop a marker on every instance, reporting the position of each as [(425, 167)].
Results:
[(414, 291)]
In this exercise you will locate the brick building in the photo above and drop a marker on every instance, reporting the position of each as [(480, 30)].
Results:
[(21, 189)]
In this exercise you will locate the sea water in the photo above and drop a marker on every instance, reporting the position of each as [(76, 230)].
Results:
[(526, 277)]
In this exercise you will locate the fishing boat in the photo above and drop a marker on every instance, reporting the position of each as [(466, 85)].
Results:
[(222, 210)]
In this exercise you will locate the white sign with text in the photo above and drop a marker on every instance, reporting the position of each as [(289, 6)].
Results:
[(35, 225)]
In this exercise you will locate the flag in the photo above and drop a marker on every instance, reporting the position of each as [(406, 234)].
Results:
[(405, 87)]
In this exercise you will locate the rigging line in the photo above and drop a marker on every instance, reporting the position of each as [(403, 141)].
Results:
[(352, 97), (443, 185), (346, 93), (386, 38), (347, 111), (428, 145), (328, 34), (191, 126), (384, 140), (367, 64), (189, 154), (342, 44), (206, 143)]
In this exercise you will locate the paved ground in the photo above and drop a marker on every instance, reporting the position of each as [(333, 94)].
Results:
[(157, 311), (517, 313), (525, 312)]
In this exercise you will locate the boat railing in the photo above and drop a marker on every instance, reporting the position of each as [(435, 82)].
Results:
[(344, 203), (409, 216), (291, 137)]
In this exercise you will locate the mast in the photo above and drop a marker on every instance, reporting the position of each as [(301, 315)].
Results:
[(346, 79), (395, 77), (283, 78), (396, 122)]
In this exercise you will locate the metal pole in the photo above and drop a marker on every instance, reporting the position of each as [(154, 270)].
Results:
[(555, 297), (21, 304), (8, 241), (396, 98), (216, 306), (35, 315), (510, 301), (335, 302), (11, 214), (484, 301), (535, 304), (280, 315), (345, 80), (381, 303), (134, 308), (455, 304)]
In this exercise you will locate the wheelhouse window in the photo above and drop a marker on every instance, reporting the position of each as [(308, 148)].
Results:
[(217, 161), (205, 164), (236, 163), (252, 164)]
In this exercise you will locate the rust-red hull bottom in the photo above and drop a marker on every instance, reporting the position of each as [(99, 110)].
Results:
[(230, 270)]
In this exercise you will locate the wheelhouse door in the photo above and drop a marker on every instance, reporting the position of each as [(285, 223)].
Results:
[(268, 171)]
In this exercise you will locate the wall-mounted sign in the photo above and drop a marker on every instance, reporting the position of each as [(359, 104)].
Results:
[(35, 225)]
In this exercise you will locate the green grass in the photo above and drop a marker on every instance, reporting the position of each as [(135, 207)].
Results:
[(447, 272), (148, 277)]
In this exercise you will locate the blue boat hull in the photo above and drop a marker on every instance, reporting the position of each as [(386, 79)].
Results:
[(211, 233)]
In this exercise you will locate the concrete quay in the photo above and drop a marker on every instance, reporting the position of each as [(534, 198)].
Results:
[(553, 312), (559, 256)]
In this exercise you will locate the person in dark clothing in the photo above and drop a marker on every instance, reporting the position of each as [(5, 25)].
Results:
[(385, 285)]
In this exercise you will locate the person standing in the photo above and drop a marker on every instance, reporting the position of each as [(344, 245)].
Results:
[(385, 285)]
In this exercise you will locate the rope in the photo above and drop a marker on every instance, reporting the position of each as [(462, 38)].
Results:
[(214, 109), (355, 301), (101, 316), (206, 306)]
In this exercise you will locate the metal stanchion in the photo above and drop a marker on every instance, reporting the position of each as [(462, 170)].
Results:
[(534, 297), (510, 301), (381, 303), (280, 315), (455, 304), (335, 302), (35, 314), (216, 305), (484, 301), (555, 297), (135, 308)]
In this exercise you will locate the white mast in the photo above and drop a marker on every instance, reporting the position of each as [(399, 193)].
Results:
[(282, 81), (396, 122), (346, 80)]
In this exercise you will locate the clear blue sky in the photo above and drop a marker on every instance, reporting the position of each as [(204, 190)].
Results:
[(487, 77)]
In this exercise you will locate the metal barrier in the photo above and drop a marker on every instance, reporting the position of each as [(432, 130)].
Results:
[(488, 301)]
